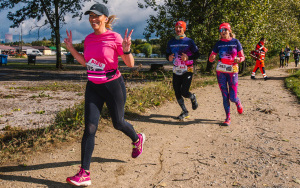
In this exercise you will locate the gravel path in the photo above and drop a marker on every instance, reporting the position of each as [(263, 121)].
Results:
[(261, 147)]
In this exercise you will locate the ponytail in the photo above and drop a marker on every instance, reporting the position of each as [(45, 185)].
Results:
[(110, 21)]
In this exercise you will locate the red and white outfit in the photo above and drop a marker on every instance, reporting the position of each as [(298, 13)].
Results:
[(260, 62)]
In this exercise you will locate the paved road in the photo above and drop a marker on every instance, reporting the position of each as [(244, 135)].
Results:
[(52, 59), (39, 59), (9, 73)]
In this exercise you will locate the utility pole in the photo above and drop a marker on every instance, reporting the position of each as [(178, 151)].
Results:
[(21, 38), (19, 42)]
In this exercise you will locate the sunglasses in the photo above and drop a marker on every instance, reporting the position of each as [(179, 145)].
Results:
[(223, 29)]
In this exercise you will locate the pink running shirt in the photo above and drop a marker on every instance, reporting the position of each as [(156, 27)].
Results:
[(101, 55)]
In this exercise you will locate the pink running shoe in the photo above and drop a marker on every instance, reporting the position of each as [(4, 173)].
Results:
[(226, 122), (240, 108), (82, 178), (138, 147)]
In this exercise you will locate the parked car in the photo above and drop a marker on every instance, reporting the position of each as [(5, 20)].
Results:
[(140, 55), (33, 52), (154, 55)]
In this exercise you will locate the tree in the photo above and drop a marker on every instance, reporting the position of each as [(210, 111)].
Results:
[(147, 49), (138, 41), (156, 49), (54, 11), (250, 20), (43, 42)]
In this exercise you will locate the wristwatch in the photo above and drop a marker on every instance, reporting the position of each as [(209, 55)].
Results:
[(127, 52)]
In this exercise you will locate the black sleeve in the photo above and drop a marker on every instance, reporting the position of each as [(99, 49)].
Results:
[(194, 56)]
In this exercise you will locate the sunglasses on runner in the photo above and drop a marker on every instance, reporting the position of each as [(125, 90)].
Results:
[(223, 29)]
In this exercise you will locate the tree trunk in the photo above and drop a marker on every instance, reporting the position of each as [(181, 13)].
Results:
[(58, 49), (243, 66), (209, 65), (57, 36)]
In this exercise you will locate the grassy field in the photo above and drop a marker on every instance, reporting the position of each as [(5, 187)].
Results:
[(293, 82), (155, 90)]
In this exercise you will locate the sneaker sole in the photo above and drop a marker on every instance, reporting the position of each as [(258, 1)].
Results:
[(85, 184), (144, 138), (181, 119), (224, 124)]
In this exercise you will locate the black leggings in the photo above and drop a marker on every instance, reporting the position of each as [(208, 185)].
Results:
[(181, 85), (113, 93), (287, 60), (281, 62)]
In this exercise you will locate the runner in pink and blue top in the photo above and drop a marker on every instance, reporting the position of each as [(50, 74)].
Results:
[(105, 85), (230, 54)]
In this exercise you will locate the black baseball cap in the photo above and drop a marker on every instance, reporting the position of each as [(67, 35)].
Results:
[(98, 9)]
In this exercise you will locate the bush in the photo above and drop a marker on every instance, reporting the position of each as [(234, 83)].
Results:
[(293, 83)]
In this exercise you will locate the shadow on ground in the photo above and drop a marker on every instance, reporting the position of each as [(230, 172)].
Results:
[(160, 119), (48, 183)]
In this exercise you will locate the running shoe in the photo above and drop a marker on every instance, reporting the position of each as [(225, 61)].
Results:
[(82, 178), (266, 78), (138, 147), (184, 114), (194, 102), (253, 77), (240, 108), (226, 122)]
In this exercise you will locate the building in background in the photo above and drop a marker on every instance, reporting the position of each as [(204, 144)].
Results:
[(53, 49), (7, 50)]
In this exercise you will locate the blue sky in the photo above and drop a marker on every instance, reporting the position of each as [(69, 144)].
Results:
[(127, 12)]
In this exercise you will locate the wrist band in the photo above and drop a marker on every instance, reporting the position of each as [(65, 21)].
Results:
[(127, 52)]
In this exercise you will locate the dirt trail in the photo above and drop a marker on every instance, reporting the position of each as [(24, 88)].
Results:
[(261, 148)]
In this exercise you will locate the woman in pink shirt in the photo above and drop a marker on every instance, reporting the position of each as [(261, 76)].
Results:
[(105, 85)]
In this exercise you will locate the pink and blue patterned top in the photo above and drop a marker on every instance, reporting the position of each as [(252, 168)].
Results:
[(177, 47)]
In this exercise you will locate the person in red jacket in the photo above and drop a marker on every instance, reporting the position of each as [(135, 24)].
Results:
[(260, 61)]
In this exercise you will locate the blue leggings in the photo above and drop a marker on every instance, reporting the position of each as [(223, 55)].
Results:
[(230, 79), (113, 93)]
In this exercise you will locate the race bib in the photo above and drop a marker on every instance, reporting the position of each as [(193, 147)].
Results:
[(179, 66), (94, 65), (179, 70), (227, 68)]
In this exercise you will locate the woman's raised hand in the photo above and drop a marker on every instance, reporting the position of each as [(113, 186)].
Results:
[(68, 40), (127, 41)]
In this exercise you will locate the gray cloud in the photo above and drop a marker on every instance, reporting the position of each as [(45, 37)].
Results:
[(127, 12)]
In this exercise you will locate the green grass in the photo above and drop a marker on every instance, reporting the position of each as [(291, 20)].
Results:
[(42, 66), (15, 143), (293, 83), (55, 86), (155, 90)]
